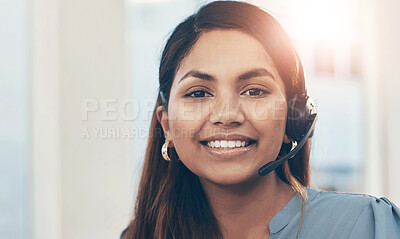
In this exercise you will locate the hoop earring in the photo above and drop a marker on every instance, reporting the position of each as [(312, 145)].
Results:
[(164, 151)]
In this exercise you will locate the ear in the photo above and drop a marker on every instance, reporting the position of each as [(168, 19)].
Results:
[(162, 117), (287, 139)]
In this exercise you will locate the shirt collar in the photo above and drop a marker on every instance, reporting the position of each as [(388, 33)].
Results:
[(289, 211)]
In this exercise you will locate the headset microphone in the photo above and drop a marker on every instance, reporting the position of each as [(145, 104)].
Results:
[(271, 166), (300, 126)]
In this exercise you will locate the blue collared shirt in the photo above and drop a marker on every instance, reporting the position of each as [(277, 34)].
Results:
[(334, 215), (337, 215)]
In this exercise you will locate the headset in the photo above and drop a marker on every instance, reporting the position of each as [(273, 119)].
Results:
[(300, 125)]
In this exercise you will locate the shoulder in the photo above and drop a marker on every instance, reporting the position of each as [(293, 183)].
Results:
[(361, 214), (350, 202), (354, 201)]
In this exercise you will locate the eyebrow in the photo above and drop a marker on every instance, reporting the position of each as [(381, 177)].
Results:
[(197, 74), (257, 72)]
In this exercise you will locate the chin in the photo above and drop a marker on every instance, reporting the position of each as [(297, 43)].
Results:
[(231, 177)]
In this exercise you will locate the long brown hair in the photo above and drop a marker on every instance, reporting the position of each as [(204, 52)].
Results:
[(171, 202)]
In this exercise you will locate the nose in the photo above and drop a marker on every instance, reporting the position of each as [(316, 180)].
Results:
[(226, 111)]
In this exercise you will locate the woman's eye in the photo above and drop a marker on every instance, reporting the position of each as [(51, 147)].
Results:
[(255, 92), (197, 94)]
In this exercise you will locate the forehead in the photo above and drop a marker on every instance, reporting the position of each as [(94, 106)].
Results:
[(226, 54)]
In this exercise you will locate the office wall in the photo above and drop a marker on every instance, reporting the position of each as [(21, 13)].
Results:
[(81, 186), (15, 143)]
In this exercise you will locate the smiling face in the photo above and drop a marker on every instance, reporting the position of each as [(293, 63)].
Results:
[(227, 93)]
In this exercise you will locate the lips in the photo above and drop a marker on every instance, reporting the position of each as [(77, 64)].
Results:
[(228, 146), (227, 141)]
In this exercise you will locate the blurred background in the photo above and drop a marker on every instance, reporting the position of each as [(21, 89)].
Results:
[(78, 82)]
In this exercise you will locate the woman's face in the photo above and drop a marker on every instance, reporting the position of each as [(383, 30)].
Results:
[(227, 93)]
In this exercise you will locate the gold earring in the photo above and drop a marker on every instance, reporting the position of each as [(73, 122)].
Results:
[(164, 151)]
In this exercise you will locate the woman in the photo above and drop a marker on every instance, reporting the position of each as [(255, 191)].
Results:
[(233, 99)]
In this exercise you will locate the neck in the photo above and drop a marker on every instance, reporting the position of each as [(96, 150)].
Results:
[(245, 210)]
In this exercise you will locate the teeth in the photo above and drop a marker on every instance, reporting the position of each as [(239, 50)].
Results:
[(224, 143), (217, 144), (231, 144), (238, 143), (227, 143)]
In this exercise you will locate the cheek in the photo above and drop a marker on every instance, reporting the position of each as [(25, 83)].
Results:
[(184, 126), (183, 135), (274, 109), (269, 118), (186, 111), (189, 119), (271, 138)]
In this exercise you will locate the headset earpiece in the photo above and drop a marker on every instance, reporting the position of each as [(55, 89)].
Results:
[(301, 114)]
